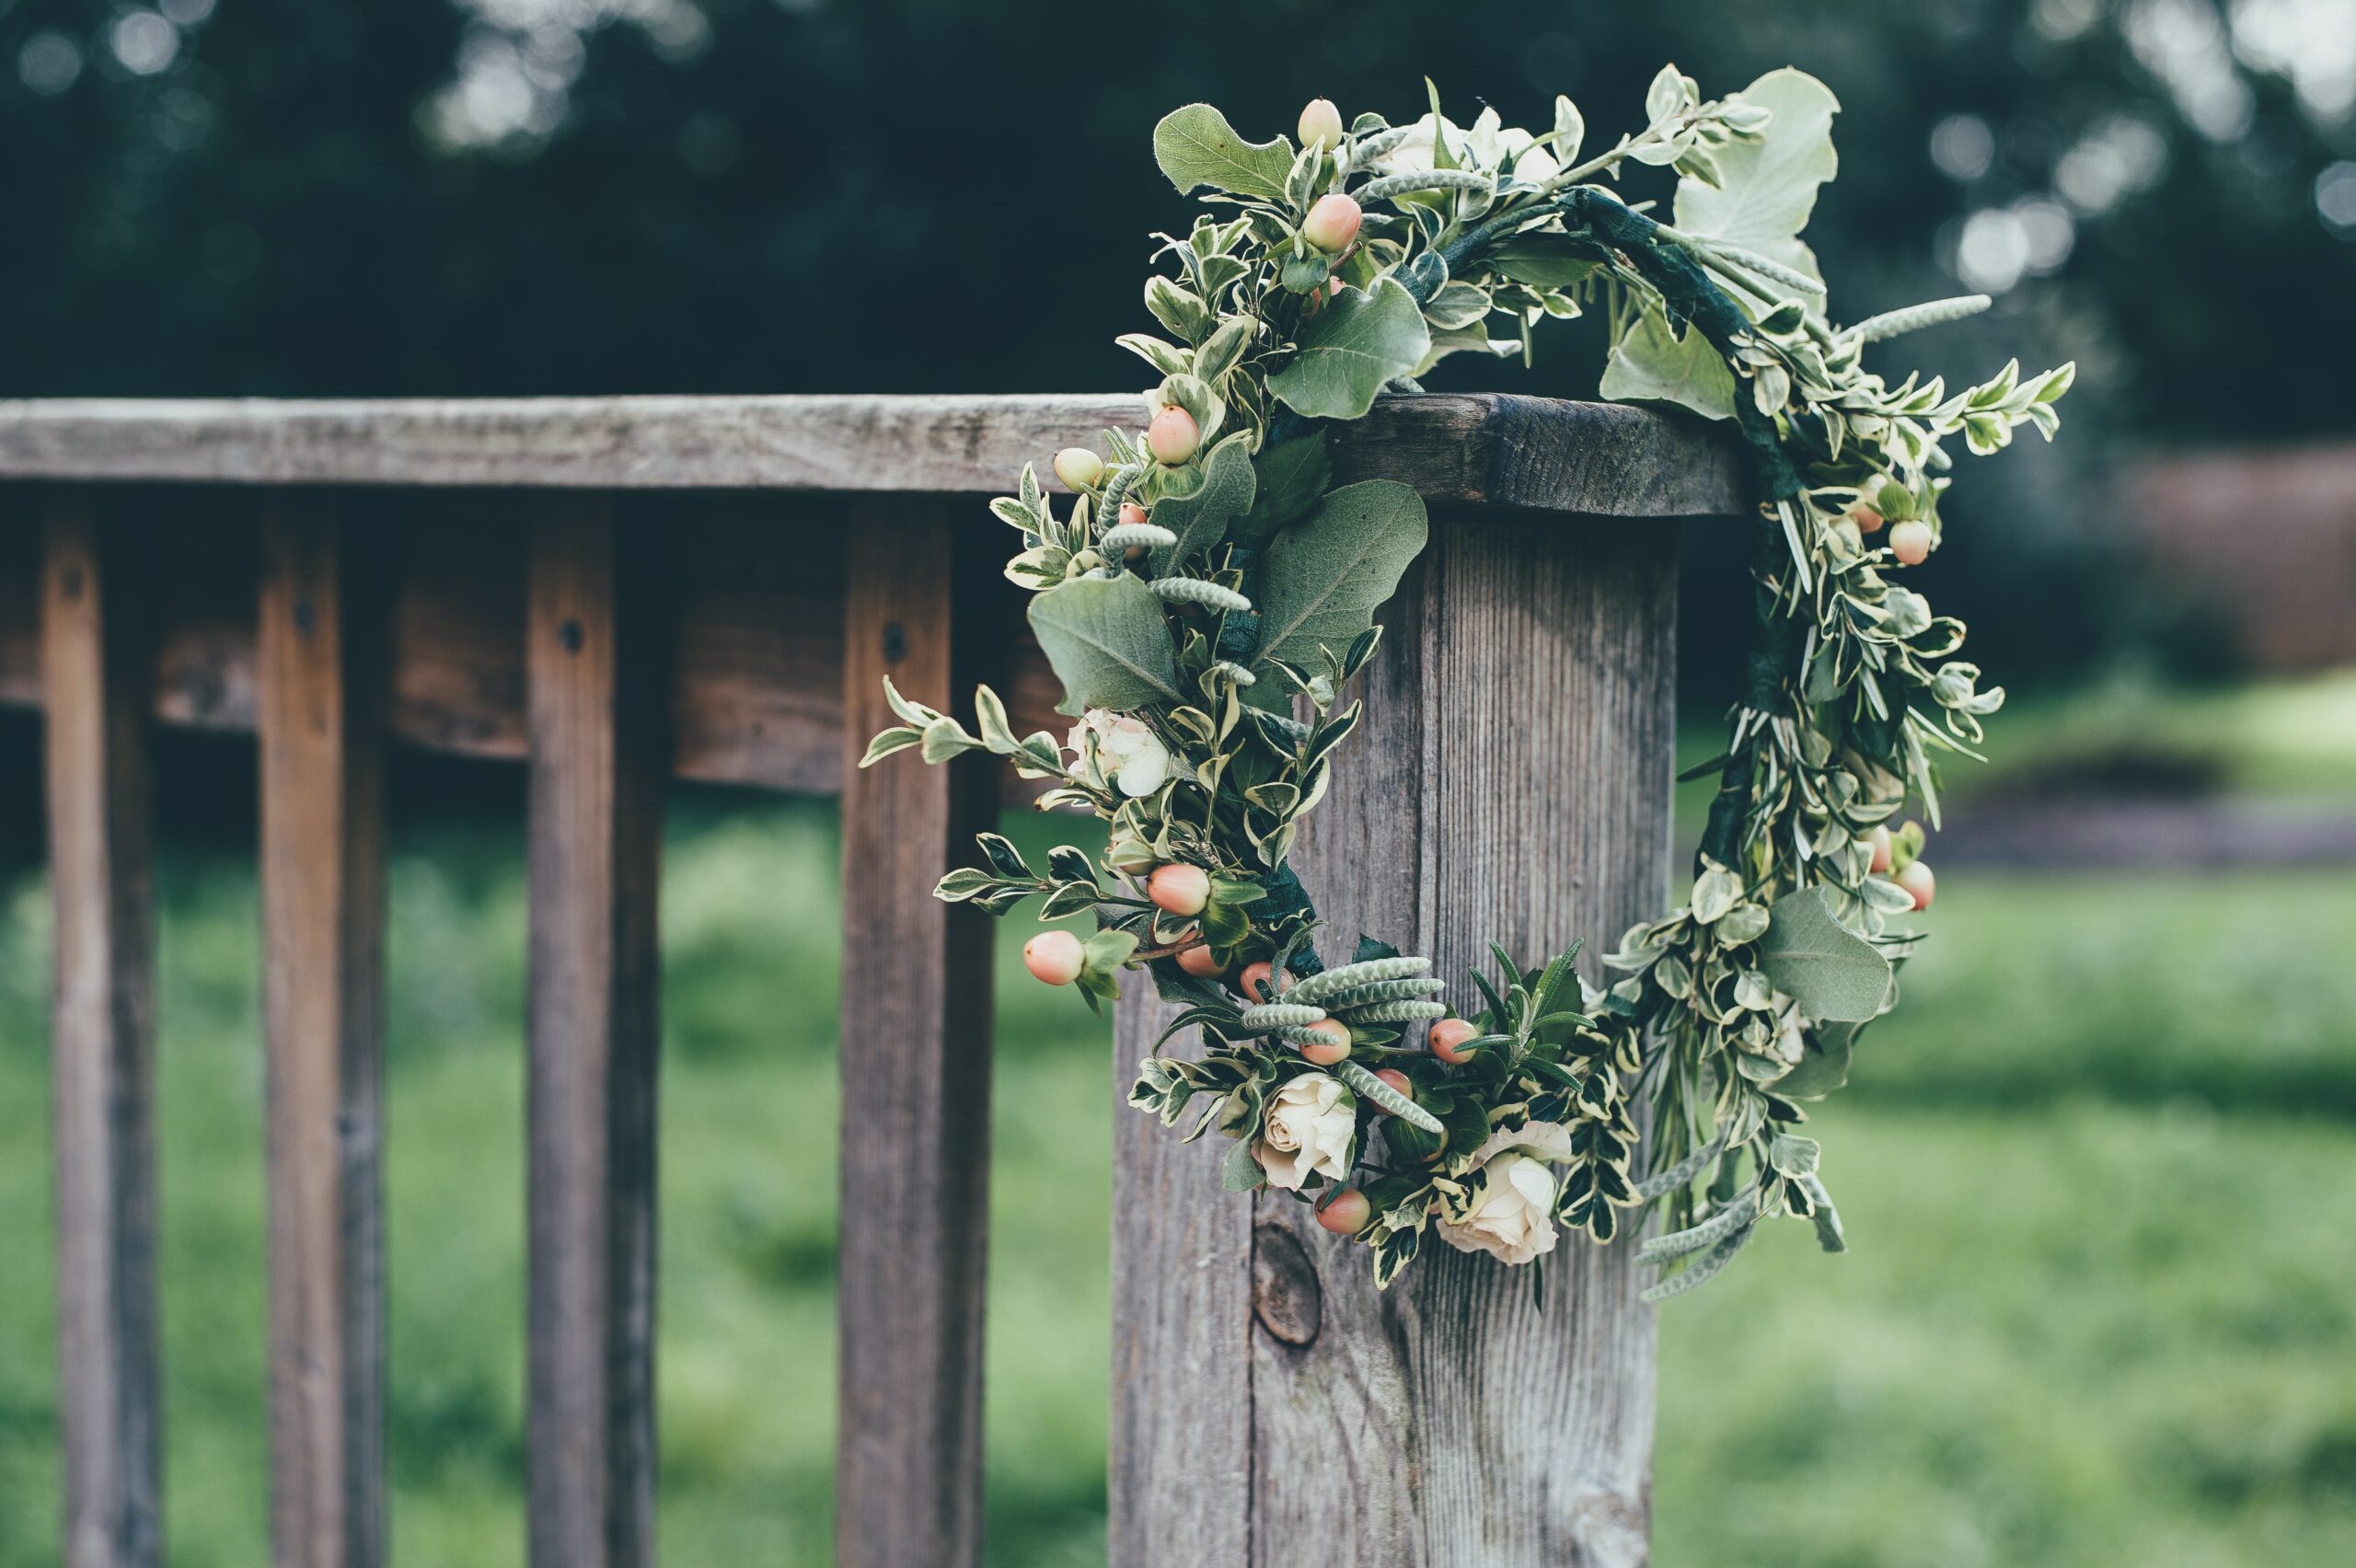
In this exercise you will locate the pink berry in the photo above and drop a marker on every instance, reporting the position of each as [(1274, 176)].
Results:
[(1867, 520), (1199, 961), (1399, 1081), (1879, 839), (1053, 957), (1173, 436), (1917, 880), (1182, 890), (1449, 1038), (1321, 124), (1132, 515), (1253, 982), (1332, 224), (1911, 542), (1333, 1047), (1344, 1211)]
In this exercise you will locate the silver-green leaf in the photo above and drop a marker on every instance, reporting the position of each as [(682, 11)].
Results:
[(1836, 975), (1356, 346), (1323, 577), (1108, 641), (1196, 147)]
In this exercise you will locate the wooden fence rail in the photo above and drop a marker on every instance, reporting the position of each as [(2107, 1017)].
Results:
[(618, 591)]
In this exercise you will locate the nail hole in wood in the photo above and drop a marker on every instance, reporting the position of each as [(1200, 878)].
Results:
[(305, 616), (569, 635), (895, 642), (72, 583)]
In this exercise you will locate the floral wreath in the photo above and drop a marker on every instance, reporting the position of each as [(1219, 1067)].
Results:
[(1208, 597)]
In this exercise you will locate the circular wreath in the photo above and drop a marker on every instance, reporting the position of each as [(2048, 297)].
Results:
[(1207, 596)]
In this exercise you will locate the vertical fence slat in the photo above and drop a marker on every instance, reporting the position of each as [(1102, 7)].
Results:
[(1522, 695), (916, 1054), (593, 666), (95, 679), (319, 716)]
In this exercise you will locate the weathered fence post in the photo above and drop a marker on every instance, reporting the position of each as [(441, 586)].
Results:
[(1511, 782)]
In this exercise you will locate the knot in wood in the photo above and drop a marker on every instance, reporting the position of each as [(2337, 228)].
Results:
[(1286, 1295)]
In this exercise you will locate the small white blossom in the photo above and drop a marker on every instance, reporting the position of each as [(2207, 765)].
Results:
[(1125, 749), (1488, 143)]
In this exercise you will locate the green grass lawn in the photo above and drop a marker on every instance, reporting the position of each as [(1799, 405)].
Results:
[(2101, 1308)]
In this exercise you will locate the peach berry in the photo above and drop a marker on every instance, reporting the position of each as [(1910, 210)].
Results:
[(1199, 961), (1917, 880), (1332, 224), (1078, 467), (1449, 1036), (1867, 520), (1333, 1047), (1879, 839), (1344, 1211), (1173, 436), (1911, 542), (1398, 1080), (1053, 957), (1256, 983), (1182, 890), (1321, 124)]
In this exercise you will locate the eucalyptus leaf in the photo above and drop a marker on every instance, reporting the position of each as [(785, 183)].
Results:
[(1323, 577), (1196, 147), (1200, 519), (1836, 975), (1108, 641), (1767, 186), (1652, 364), (1351, 350)]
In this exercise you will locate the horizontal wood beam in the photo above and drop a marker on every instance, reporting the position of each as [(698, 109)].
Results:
[(1480, 449)]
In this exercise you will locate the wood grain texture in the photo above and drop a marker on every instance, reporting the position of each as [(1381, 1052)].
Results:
[(1478, 448), (594, 660), (319, 711), (1511, 781), (921, 605), (102, 1027)]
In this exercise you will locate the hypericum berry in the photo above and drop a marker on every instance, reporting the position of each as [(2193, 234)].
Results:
[(1199, 961), (1132, 515), (1078, 467), (1173, 436), (1879, 839), (1917, 880), (1344, 1211), (1867, 520), (1333, 1048), (1911, 542), (1397, 1080), (1182, 890), (1332, 224), (1321, 124), (1449, 1038), (1053, 957), (1253, 982)]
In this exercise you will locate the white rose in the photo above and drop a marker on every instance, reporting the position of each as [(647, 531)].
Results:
[(1307, 1131), (1507, 1209), (1488, 143), (1126, 748)]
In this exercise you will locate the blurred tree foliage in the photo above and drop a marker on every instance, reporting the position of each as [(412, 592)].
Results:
[(322, 197)]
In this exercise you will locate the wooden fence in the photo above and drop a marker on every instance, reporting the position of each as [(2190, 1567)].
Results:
[(612, 592)]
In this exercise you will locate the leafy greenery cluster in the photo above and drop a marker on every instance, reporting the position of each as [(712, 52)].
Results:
[(1219, 597)]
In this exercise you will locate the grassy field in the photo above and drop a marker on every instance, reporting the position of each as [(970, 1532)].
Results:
[(2101, 1308)]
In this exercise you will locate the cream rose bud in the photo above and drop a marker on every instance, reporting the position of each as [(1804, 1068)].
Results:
[(1173, 436), (1078, 468), (1307, 1131), (1332, 223), (1506, 1211), (1321, 124), (1053, 957)]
